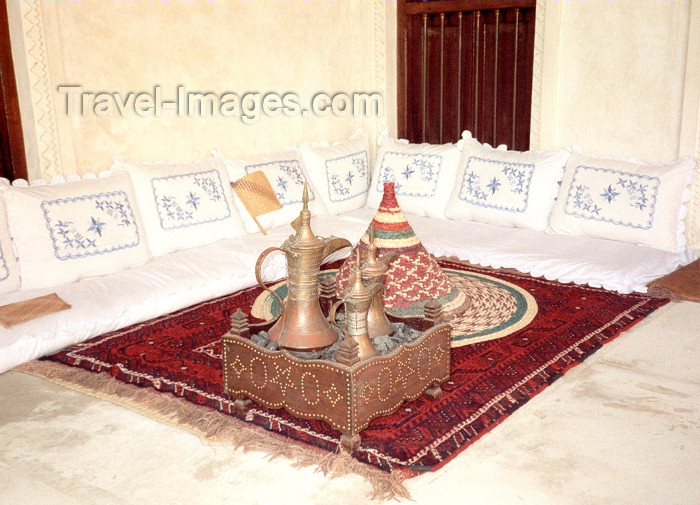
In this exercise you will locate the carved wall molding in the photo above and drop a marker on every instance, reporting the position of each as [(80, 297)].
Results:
[(537, 76), (379, 75), (37, 61)]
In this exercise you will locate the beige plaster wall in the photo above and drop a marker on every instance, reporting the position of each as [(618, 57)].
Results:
[(622, 79), (614, 77), (215, 46), (618, 78)]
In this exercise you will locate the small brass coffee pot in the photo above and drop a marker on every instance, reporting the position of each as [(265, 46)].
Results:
[(357, 301), (374, 271), (302, 326)]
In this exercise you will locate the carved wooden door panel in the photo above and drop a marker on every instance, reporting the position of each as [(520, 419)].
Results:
[(465, 65)]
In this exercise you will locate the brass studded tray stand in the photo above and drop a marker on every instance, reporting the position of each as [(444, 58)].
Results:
[(347, 393)]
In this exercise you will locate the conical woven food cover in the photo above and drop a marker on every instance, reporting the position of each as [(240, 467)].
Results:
[(414, 277)]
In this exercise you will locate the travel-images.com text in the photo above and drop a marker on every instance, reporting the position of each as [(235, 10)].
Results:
[(248, 107)]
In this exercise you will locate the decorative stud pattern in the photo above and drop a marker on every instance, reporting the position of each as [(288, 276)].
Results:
[(348, 397)]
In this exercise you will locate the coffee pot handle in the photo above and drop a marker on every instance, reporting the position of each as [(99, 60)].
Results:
[(258, 276), (332, 311)]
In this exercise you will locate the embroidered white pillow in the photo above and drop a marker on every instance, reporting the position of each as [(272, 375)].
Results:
[(67, 231), (286, 174), (9, 268), (625, 201), (423, 175), (184, 204), (340, 171), (505, 188)]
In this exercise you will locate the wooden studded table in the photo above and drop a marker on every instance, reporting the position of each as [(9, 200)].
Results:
[(347, 393)]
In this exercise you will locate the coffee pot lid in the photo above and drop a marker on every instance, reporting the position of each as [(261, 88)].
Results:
[(302, 224)]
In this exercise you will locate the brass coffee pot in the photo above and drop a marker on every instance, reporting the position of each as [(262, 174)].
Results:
[(357, 300), (374, 271), (302, 326)]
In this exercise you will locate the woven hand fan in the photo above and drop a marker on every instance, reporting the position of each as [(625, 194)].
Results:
[(257, 195)]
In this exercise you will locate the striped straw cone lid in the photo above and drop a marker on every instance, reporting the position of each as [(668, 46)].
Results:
[(414, 277)]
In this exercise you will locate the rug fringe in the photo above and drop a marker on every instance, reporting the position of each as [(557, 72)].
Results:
[(215, 426), (654, 291), (341, 463)]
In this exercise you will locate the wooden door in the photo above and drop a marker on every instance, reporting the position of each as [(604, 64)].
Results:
[(14, 164), (466, 65)]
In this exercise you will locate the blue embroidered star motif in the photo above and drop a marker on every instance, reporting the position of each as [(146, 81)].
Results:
[(192, 199), (282, 183), (96, 226), (640, 202), (408, 171), (349, 178), (494, 185), (609, 193), (63, 224)]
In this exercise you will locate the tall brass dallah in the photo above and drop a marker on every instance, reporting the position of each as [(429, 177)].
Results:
[(302, 325)]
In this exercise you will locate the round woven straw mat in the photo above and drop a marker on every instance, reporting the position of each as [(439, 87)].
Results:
[(498, 308)]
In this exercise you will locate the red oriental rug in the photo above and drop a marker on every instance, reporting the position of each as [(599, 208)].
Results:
[(179, 354)]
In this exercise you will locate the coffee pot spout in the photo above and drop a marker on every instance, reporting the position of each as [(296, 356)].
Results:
[(334, 244)]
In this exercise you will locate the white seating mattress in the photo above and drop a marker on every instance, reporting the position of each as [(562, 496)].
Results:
[(183, 278)]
